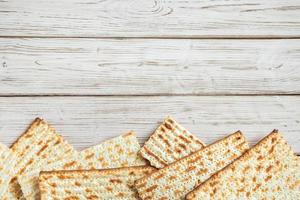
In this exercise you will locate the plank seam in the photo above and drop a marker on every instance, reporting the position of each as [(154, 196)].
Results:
[(253, 37), (144, 95)]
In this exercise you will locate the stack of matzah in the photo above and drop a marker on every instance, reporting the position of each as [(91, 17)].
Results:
[(179, 178), (121, 151), (270, 170), (41, 165)]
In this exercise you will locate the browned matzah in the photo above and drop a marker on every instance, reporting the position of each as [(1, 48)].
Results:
[(181, 177), (169, 143), (40, 145), (92, 184), (7, 172), (270, 170), (120, 151)]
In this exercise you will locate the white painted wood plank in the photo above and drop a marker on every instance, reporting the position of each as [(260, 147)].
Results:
[(86, 121), (150, 18), (151, 66)]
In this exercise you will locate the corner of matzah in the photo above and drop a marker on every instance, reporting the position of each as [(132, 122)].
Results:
[(169, 142), (39, 146)]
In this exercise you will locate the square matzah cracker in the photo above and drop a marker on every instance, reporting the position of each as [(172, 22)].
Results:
[(270, 170), (40, 145), (91, 184), (7, 160), (169, 143), (121, 151), (181, 177)]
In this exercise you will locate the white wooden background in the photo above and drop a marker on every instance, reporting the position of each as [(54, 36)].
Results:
[(95, 69)]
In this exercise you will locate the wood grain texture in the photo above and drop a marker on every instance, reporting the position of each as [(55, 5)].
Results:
[(150, 18), (148, 67), (86, 121)]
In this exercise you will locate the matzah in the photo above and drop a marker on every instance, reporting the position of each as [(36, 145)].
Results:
[(169, 143), (181, 177), (270, 170), (121, 151), (7, 172), (91, 184), (40, 145)]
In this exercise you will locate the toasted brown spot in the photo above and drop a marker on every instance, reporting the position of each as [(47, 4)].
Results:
[(85, 176), (92, 197), (58, 141), (62, 176), (26, 165), (151, 188), (233, 157), (178, 150), (88, 190), (256, 187), (42, 149), (182, 146), (190, 168), (273, 140), (89, 156), (115, 181), (141, 185), (271, 150), (238, 138), (220, 163), (28, 135), (195, 159), (167, 187), (77, 184), (268, 178), (67, 165), (72, 198), (246, 169), (121, 194), (184, 139), (100, 158), (172, 177), (167, 142), (159, 176), (108, 188), (171, 121), (269, 168), (202, 171), (168, 126), (260, 157), (127, 134), (163, 198), (212, 184), (169, 151), (68, 191), (258, 168), (53, 184), (233, 168), (241, 145), (248, 194)]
